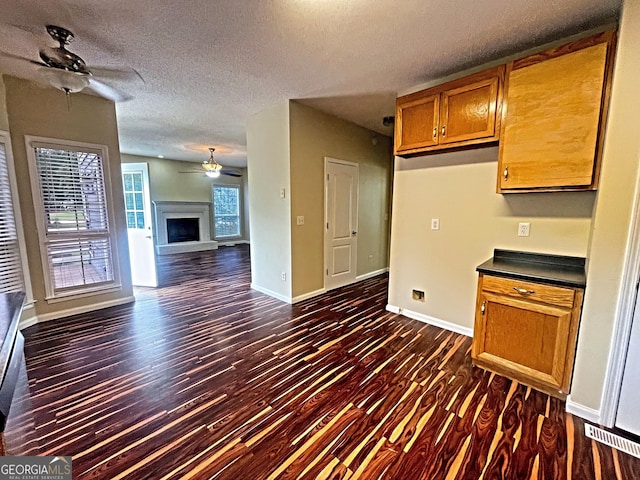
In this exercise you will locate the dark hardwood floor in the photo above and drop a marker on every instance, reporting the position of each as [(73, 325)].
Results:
[(205, 378)]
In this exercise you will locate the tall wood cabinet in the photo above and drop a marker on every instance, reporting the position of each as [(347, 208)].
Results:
[(553, 117), (459, 113)]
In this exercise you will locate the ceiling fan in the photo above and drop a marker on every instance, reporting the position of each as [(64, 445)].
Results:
[(68, 72), (213, 169)]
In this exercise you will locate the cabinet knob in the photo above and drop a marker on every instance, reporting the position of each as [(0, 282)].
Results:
[(483, 307), (524, 291), (444, 130), (435, 132), (505, 174)]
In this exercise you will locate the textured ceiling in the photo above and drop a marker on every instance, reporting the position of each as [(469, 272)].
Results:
[(208, 65)]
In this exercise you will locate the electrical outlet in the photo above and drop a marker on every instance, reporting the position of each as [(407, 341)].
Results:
[(370, 258), (435, 224), (300, 220), (283, 276), (523, 229), (418, 295)]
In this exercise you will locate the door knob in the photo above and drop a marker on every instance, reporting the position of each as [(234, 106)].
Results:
[(354, 233)]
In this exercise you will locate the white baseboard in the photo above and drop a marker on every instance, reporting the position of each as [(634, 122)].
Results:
[(27, 322), (582, 411), (375, 273), (83, 309), (307, 295), (233, 243), (314, 293), (271, 293), (436, 322), (184, 247)]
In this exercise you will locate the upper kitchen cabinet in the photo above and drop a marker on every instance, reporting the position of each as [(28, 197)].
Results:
[(553, 117), (459, 113)]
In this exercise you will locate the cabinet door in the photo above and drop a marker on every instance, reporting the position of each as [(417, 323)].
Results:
[(417, 123), (522, 339), (553, 118), (469, 112)]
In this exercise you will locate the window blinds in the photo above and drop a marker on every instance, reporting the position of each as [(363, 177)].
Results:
[(11, 279), (72, 191)]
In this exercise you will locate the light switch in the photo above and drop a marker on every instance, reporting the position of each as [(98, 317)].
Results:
[(283, 193), (300, 220)]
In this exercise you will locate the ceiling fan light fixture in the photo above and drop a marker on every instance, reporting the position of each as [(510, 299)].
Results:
[(211, 167), (68, 82)]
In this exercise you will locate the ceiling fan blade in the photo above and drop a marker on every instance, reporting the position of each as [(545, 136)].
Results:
[(108, 92), (191, 171), (110, 73), (231, 172), (18, 57)]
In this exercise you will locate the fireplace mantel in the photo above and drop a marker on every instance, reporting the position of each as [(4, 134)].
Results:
[(169, 209)]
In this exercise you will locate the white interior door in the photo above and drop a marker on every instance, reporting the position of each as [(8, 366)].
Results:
[(135, 178), (341, 241), (628, 417)]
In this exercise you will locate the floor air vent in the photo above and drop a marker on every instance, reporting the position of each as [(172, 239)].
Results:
[(612, 440)]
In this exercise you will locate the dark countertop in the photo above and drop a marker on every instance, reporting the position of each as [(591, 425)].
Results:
[(537, 267)]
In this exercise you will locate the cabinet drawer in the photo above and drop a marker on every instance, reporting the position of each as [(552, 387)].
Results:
[(562, 297)]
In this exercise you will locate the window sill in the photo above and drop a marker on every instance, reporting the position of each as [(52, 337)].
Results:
[(85, 292)]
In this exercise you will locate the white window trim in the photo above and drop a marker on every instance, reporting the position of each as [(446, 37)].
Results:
[(5, 138), (51, 296), (240, 212)]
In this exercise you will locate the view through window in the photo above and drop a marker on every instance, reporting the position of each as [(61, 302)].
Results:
[(76, 228), (226, 210), (133, 199)]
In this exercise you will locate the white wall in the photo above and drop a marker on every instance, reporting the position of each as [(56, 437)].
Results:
[(268, 166), (619, 186)]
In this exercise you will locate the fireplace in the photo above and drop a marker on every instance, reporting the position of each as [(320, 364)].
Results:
[(183, 230), (183, 227)]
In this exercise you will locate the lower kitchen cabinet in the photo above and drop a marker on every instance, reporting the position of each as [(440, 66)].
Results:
[(527, 331)]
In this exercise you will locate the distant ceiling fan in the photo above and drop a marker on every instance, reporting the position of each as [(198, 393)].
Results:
[(213, 169), (68, 72)]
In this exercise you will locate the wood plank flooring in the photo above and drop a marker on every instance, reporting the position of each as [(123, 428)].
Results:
[(205, 378)]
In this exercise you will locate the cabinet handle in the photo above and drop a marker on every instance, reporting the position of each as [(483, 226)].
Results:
[(435, 132), (505, 174), (524, 291), (444, 130), (483, 307)]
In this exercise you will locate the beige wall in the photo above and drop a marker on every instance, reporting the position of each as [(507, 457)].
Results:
[(612, 220), (268, 172), (4, 120), (314, 136), (167, 183), (39, 111), (459, 189)]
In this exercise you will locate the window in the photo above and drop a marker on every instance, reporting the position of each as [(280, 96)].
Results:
[(226, 210), (70, 197), (11, 277), (133, 199)]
